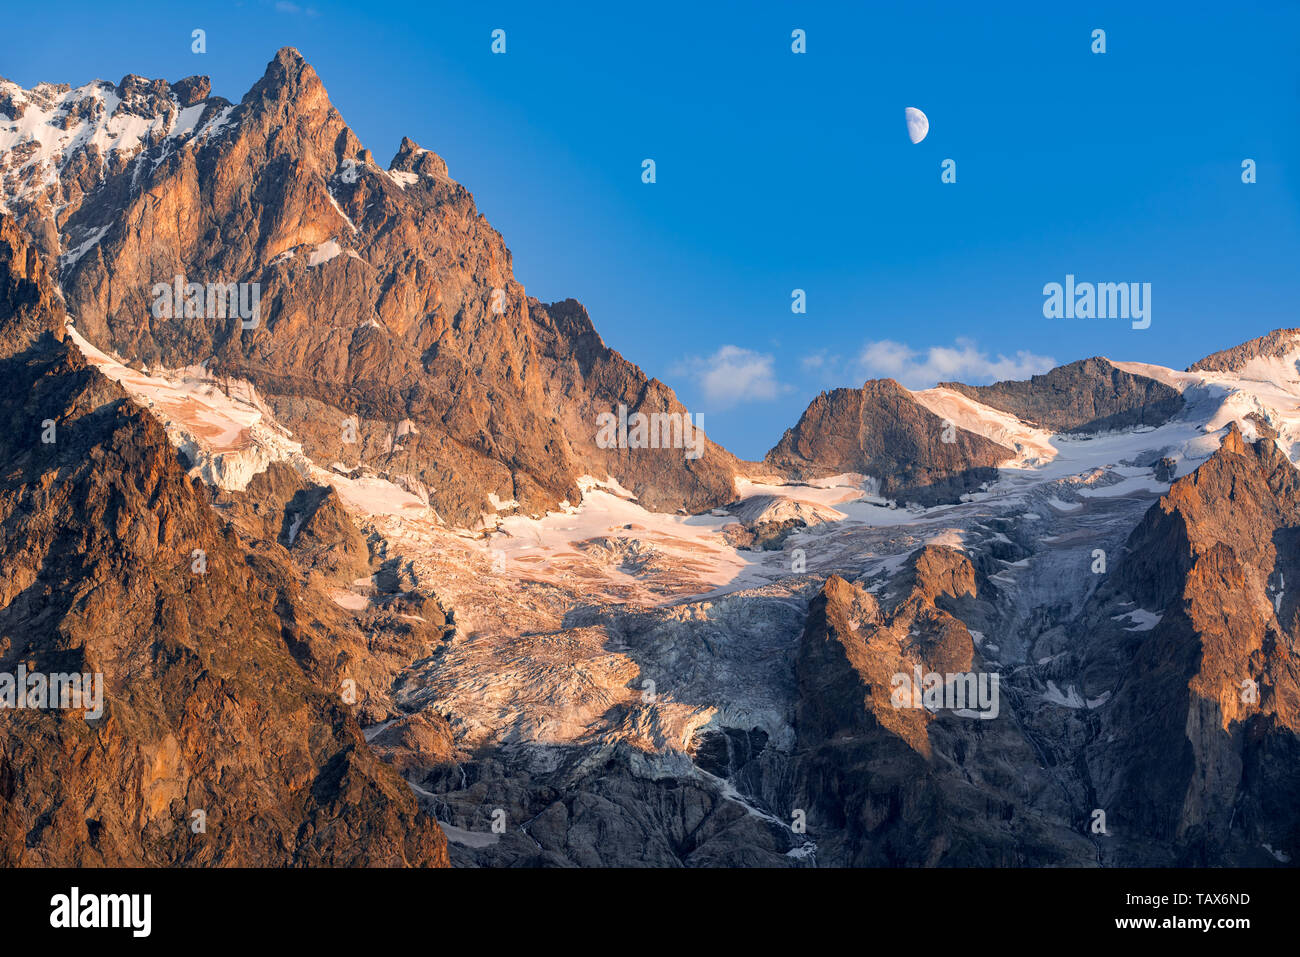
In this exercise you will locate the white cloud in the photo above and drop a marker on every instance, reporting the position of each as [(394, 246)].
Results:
[(733, 375), (813, 362), (963, 361)]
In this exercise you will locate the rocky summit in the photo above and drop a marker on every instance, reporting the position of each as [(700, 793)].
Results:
[(391, 334), (323, 543), (882, 430)]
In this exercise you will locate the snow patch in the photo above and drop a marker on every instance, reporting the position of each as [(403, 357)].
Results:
[(68, 258), (458, 835), (324, 253), (1070, 698), (1144, 620)]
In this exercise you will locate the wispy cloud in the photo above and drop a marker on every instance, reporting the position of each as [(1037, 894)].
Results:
[(963, 361), (733, 375), (815, 361), (285, 6)]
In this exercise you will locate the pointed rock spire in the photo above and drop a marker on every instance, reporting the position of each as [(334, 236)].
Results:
[(412, 158)]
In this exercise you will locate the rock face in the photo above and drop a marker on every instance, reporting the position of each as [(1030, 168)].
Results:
[(68, 143), (307, 520), (881, 431), (1090, 395), (885, 785), (29, 304), (1277, 344), (210, 701), (1200, 748), (1180, 741), (391, 333)]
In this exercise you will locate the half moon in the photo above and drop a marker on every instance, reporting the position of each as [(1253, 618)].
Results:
[(917, 124)]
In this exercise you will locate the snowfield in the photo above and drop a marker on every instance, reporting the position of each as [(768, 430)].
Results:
[(610, 547)]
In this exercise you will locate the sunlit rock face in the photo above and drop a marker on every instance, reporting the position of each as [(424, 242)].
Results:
[(209, 692), (384, 296)]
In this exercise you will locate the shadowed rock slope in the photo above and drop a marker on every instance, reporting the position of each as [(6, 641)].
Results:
[(209, 702), (881, 431), (1090, 395), (1278, 343), (892, 786)]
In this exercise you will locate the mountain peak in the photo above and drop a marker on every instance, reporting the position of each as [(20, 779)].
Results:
[(383, 294), (1233, 440), (412, 158), (192, 90), (289, 59), (1275, 345), (1088, 395), (882, 431), (288, 77)]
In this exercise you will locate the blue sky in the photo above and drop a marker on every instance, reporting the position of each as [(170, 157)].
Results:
[(778, 171)]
